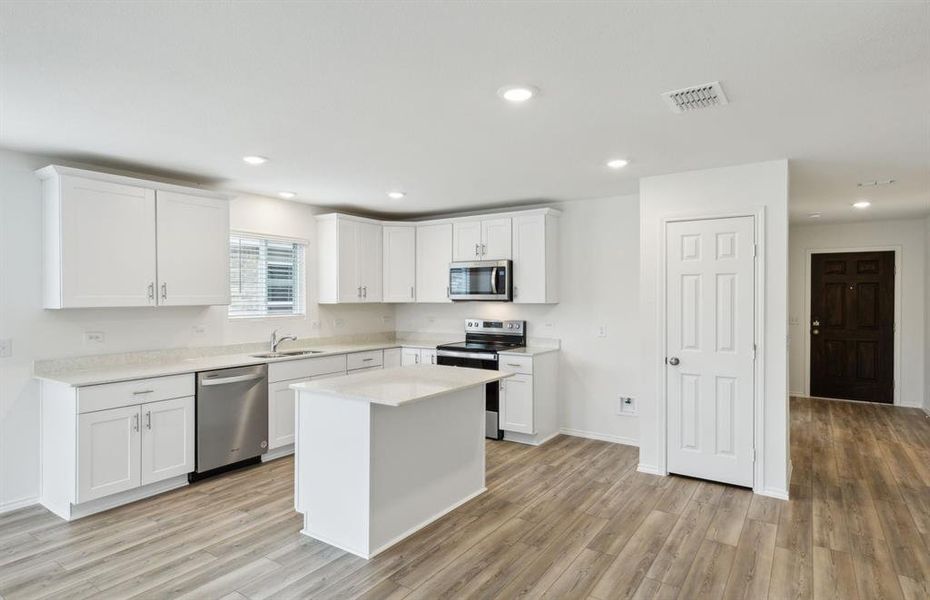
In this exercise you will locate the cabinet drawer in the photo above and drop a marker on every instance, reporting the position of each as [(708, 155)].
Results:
[(137, 391), (308, 367), (364, 360), (516, 364)]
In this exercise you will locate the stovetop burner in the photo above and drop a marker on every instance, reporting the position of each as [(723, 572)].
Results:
[(490, 336)]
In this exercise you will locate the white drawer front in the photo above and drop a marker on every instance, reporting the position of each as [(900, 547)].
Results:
[(515, 364), (308, 367), (365, 360), (137, 391)]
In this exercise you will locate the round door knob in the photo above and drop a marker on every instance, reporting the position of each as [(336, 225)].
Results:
[(673, 361), (816, 332)]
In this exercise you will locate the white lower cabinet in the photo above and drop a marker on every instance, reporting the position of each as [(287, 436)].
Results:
[(418, 356), (517, 403), (392, 358), (109, 452), (123, 448), (281, 413), (167, 439)]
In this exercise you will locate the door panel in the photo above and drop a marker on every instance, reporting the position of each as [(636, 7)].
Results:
[(466, 240), (107, 244), (434, 253), (350, 288), (400, 259), (193, 250), (370, 261), (852, 326), (167, 439), (496, 235), (710, 320), (108, 452)]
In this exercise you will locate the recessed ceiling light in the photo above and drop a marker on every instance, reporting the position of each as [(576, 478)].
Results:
[(396, 195), (255, 160), (517, 93), (862, 204), (814, 216), (617, 163), (287, 195)]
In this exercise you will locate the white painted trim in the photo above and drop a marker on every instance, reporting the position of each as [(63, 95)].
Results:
[(773, 493), (306, 530), (107, 502), (758, 214), (898, 277), (604, 437), (17, 504), (528, 439), (650, 470), (276, 453)]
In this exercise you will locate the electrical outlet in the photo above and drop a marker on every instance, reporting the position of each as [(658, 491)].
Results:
[(386, 319), (94, 337), (6, 347), (315, 325), (626, 405), (602, 331), (198, 330), (339, 323)]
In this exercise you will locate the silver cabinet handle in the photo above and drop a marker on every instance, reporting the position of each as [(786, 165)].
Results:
[(674, 361), (152, 291), (359, 293), (367, 359), (140, 392), (514, 291), (476, 249), (512, 365), (412, 295), (148, 419), (164, 291), (365, 291), (484, 249), (135, 422), (416, 358)]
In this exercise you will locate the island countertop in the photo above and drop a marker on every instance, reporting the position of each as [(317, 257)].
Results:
[(402, 385)]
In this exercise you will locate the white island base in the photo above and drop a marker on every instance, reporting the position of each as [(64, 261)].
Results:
[(381, 454)]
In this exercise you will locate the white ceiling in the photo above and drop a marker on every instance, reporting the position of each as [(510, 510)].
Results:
[(350, 100)]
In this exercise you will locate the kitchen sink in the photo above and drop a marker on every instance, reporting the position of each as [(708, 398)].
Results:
[(285, 353)]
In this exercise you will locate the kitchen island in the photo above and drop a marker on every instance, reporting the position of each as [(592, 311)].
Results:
[(383, 453)]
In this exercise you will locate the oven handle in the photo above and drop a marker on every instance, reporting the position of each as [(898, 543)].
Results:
[(455, 354)]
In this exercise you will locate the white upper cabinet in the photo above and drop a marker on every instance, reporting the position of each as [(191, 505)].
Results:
[(111, 241), (536, 258), (400, 263), (193, 250), (350, 260), (99, 243), (485, 239), (434, 253)]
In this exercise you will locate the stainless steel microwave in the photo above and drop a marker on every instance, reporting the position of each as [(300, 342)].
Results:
[(481, 280)]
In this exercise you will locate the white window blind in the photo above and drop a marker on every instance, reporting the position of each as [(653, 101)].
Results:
[(266, 276)]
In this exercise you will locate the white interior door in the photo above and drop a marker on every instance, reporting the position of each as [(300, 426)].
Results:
[(710, 354)]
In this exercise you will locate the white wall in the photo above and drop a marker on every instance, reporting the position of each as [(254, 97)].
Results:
[(740, 189), (927, 315), (910, 235), (42, 334), (599, 275)]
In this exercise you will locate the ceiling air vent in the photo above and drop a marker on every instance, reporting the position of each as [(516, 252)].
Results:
[(695, 97)]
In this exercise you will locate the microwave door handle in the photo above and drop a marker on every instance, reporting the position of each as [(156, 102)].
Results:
[(494, 280)]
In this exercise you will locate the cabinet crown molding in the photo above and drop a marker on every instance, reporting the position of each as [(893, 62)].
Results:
[(55, 171), (554, 212)]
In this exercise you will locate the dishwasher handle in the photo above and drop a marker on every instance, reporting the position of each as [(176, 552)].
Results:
[(234, 379)]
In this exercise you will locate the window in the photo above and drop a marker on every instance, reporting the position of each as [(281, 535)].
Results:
[(265, 276)]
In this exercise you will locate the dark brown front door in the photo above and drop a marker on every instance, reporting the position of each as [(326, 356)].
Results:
[(852, 326)]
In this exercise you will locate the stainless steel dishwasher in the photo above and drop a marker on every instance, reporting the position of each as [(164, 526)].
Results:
[(232, 417)]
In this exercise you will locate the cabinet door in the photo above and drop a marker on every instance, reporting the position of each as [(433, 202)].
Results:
[(167, 439), (517, 404), (109, 448), (193, 250), (434, 253), (496, 239), (400, 263), (392, 358), (409, 356), (428, 356), (281, 413), (529, 259), (370, 261), (350, 286), (466, 240), (107, 253)]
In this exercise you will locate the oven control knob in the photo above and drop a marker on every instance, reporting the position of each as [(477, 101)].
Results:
[(509, 325)]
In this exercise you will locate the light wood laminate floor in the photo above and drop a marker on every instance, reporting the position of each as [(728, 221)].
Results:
[(572, 519)]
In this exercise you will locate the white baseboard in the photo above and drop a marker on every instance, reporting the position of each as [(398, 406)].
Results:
[(530, 440), (77, 511), (276, 453), (17, 504), (779, 494), (604, 437), (797, 394), (649, 469)]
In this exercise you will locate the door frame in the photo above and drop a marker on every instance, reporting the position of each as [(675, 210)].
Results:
[(758, 408), (808, 257)]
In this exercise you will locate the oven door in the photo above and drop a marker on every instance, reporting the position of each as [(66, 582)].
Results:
[(481, 280)]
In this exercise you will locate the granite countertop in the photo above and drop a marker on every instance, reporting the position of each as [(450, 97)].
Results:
[(401, 385)]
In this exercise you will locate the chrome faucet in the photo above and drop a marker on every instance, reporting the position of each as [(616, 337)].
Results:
[(275, 340)]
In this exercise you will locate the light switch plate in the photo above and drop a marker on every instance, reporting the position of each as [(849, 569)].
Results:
[(6, 347), (602, 331), (94, 337)]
